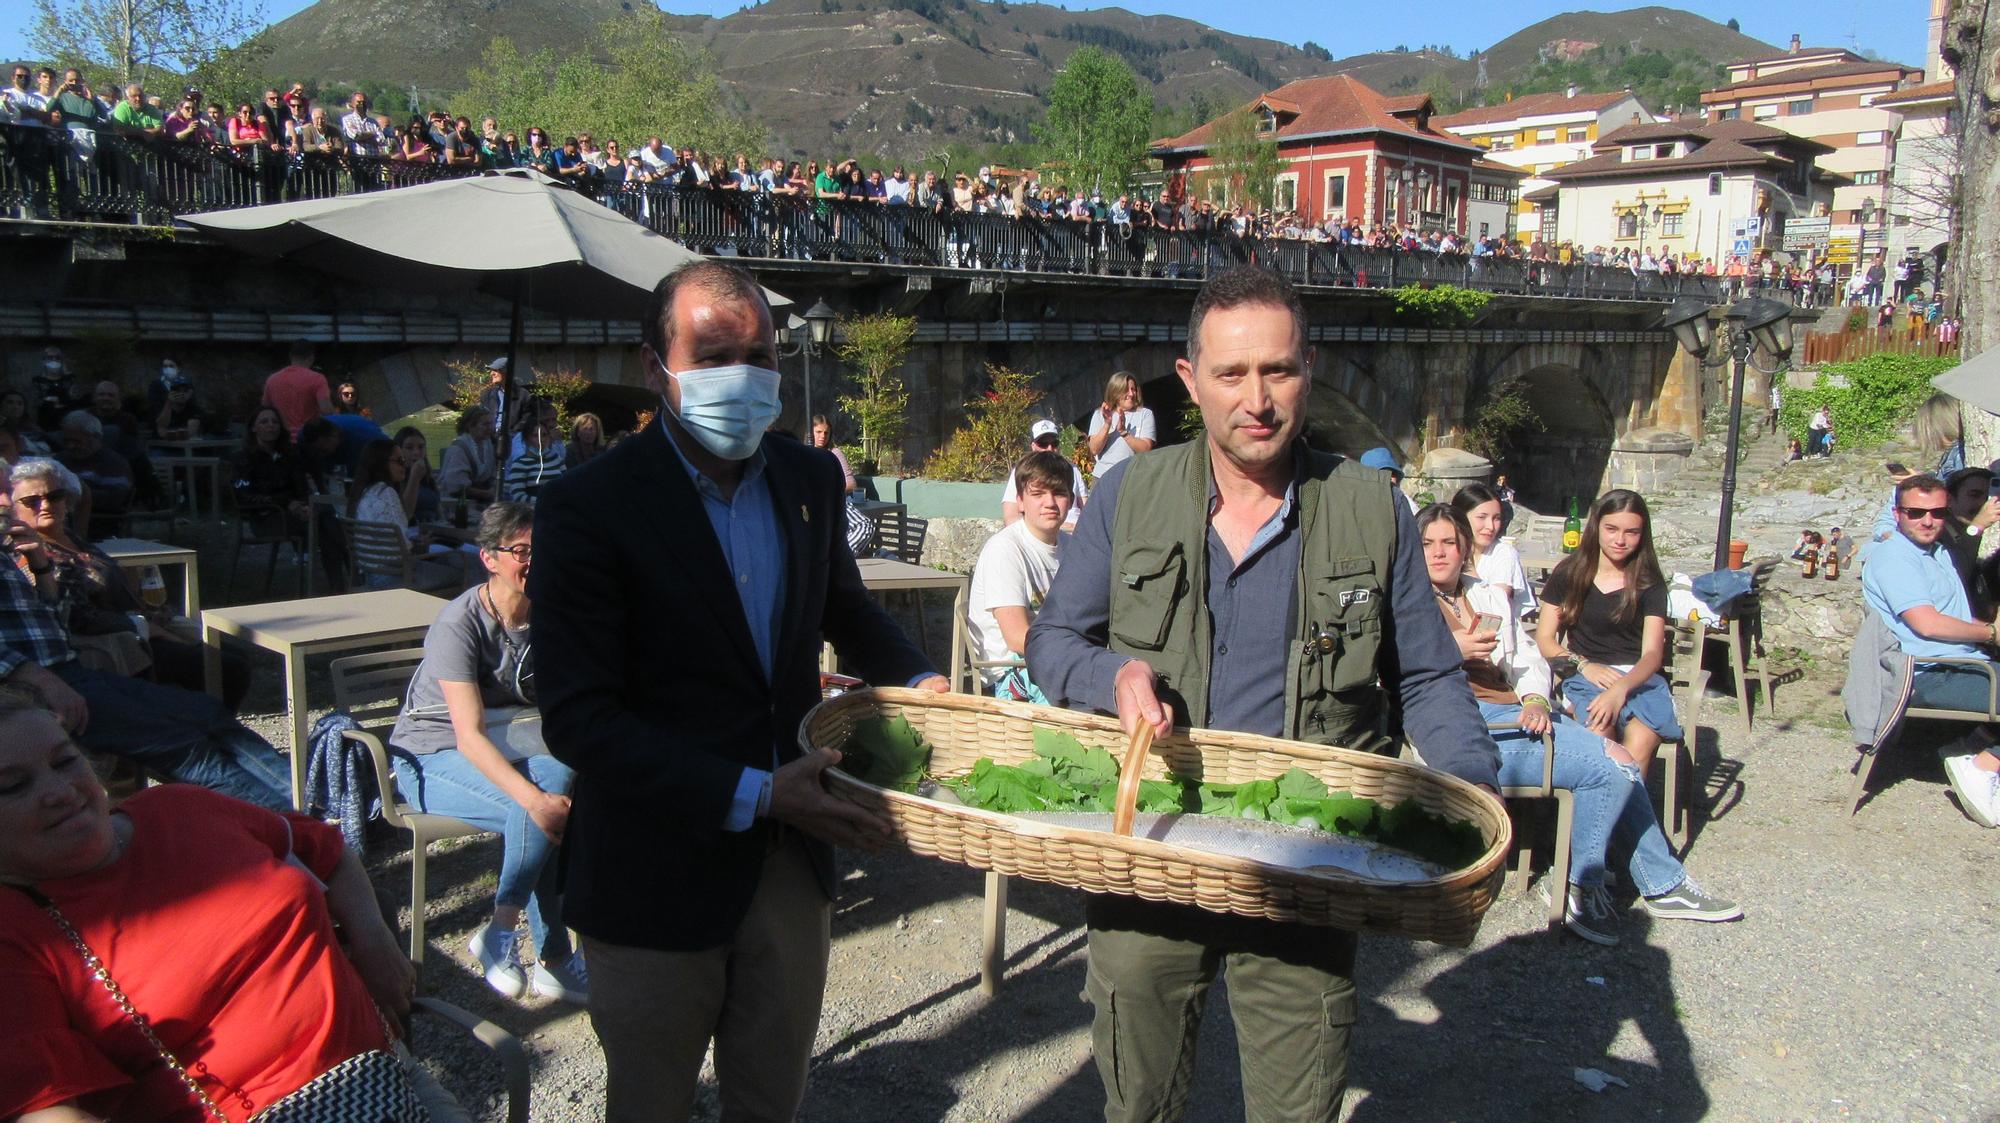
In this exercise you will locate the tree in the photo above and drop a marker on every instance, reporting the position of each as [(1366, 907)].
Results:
[(655, 85), (1097, 121), (1443, 95), (143, 41), (1245, 161), (873, 347), (1733, 25), (1974, 279)]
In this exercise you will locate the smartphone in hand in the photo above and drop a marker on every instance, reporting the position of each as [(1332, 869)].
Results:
[(1489, 624), (1896, 469)]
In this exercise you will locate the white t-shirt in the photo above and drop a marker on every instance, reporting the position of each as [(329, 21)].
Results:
[(1077, 493), (1014, 570), (1138, 423), (1501, 565)]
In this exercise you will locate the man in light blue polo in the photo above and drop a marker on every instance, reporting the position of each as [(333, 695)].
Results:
[(1911, 582)]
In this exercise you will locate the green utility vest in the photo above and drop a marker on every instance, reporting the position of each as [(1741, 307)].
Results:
[(1159, 582)]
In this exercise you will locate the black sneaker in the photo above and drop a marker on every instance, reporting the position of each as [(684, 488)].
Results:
[(1588, 913), (1687, 901)]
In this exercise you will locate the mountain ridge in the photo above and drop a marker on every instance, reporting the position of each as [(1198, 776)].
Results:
[(897, 78)]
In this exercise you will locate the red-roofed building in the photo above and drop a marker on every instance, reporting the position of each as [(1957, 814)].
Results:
[(1349, 153), (1827, 94)]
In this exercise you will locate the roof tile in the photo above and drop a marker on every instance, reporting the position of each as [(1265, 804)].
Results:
[(1531, 105), (1332, 103)]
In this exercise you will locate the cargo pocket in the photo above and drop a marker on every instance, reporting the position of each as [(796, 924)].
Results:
[(1150, 585), (1348, 607), (1104, 1033)]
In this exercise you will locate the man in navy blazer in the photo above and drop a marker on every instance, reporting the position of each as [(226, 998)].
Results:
[(685, 582)]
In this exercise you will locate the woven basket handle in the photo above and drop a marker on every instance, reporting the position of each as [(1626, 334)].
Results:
[(1128, 779)]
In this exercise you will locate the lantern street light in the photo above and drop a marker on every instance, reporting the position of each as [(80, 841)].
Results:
[(1751, 325), (807, 336)]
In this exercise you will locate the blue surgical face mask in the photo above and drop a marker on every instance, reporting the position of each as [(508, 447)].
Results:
[(727, 408)]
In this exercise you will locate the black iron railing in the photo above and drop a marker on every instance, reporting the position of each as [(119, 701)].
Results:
[(117, 177)]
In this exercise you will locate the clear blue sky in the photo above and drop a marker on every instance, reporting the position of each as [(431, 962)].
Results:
[(1895, 29)]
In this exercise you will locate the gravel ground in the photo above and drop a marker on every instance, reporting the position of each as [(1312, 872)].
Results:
[(1860, 985)]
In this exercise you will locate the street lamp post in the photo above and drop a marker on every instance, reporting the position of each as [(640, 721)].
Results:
[(1752, 324), (807, 337)]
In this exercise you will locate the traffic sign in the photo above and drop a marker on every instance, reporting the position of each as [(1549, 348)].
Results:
[(1741, 247), (1842, 251)]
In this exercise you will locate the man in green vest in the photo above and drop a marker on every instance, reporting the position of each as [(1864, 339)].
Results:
[(1245, 582)]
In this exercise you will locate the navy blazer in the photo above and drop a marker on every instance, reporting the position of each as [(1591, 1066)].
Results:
[(651, 689)]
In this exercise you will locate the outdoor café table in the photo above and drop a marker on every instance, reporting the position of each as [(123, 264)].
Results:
[(883, 575), (876, 508), (296, 629), (137, 553)]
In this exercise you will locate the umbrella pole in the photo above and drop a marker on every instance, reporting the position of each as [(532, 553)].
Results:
[(509, 408)]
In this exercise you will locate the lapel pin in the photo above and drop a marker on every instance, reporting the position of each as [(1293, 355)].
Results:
[(804, 515)]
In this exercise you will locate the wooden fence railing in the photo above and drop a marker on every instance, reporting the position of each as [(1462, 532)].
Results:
[(1843, 346)]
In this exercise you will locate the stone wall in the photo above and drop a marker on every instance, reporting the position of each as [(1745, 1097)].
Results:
[(1646, 460)]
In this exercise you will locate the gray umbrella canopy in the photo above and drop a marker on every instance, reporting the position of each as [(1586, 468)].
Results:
[(516, 234), (1975, 381)]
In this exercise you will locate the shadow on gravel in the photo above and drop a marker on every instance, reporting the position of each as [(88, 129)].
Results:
[(1718, 782), (1515, 1021)]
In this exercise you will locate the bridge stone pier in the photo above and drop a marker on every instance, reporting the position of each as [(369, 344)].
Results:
[(1608, 384)]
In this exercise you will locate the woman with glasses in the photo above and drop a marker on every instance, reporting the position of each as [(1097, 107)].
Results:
[(469, 745), (99, 598)]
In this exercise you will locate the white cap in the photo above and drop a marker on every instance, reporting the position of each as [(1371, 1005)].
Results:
[(1042, 428)]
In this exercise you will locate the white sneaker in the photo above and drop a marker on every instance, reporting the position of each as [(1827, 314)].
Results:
[(1978, 790), (567, 980), (495, 948)]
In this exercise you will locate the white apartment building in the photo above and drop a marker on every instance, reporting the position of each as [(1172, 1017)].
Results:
[(1538, 133)]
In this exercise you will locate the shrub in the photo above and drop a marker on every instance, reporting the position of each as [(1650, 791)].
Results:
[(1444, 306), (1881, 396), (995, 436)]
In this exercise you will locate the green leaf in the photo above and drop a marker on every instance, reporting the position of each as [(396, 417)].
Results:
[(1348, 814), (886, 752), (1159, 797), (1297, 783)]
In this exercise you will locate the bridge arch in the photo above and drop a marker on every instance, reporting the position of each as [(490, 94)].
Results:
[(1569, 454)]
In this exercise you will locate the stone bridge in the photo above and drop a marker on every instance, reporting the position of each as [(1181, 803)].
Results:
[(1601, 375)]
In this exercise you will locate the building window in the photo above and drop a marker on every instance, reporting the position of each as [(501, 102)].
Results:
[(1730, 114), (1451, 205), (1578, 136), (1670, 226), (1503, 143), (1482, 229), (1663, 151), (1285, 193), (1715, 183), (1336, 193), (1799, 108), (1628, 225), (1641, 152), (1861, 178), (1270, 122), (1544, 136), (1762, 112), (1868, 138)]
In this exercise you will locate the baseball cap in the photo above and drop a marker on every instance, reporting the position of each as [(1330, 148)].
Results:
[(1381, 458), (1042, 428)]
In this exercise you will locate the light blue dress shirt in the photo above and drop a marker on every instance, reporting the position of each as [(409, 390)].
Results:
[(753, 547)]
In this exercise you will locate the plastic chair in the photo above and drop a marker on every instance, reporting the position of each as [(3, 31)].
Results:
[(901, 537), (254, 527), (379, 556), (1687, 679), (1517, 878), (371, 689), (1904, 668)]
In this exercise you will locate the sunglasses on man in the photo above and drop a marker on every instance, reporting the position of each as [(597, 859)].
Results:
[(1915, 514)]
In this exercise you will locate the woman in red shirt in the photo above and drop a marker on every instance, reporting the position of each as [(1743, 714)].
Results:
[(214, 917)]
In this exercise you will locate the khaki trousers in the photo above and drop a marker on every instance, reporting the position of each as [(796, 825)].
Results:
[(1291, 994), (758, 997)]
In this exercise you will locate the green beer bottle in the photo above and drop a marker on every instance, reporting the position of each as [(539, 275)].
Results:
[(1572, 528)]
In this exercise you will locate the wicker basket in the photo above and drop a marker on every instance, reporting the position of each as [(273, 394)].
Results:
[(961, 728)]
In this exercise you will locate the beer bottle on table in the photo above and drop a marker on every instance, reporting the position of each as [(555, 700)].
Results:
[(152, 588), (1810, 566), (1572, 528), (1832, 562)]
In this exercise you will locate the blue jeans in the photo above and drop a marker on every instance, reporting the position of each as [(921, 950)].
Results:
[(445, 783), (1652, 704), (180, 733), (1613, 815), (1950, 688)]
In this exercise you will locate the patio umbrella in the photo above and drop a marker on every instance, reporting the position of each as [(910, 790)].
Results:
[(1975, 381), (517, 234)]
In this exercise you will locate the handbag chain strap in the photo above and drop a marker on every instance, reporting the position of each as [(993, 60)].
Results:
[(102, 974)]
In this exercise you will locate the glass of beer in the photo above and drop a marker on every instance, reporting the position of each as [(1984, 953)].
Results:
[(152, 588)]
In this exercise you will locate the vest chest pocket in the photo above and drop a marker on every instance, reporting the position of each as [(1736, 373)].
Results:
[(1148, 586), (1348, 605)]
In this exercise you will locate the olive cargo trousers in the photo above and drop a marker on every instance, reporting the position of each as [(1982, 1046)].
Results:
[(1291, 994)]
